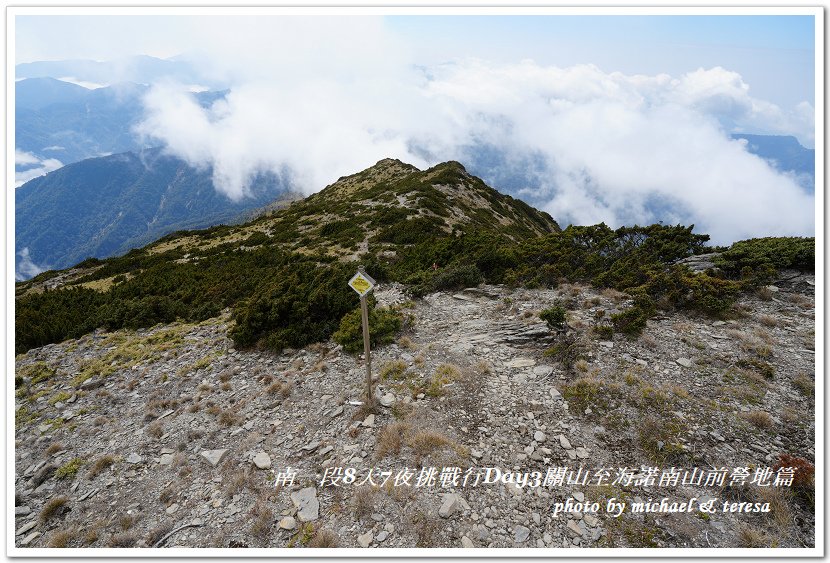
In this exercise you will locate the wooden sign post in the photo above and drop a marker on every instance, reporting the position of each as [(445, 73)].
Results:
[(362, 283)]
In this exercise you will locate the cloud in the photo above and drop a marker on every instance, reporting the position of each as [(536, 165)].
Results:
[(605, 146), (29, 166), (26, 268)]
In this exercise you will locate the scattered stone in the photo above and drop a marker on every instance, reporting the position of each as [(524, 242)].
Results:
[(22, 510), (539, 436), (369, 421), (685, 362), (467, 542), (578, 496), (521, 533), (574, 529), (213, 457), (134, 458), (30, 538), (387, 400), (25, 528), (262, 460), (310, 447), (382, 536), (308, 507), (166, 459), (172, 508), (449, 506), (288, 523), (564, 442), (364, 540), (521, 363)]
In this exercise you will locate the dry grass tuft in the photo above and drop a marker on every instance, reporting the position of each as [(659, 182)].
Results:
[(62, 538), (363, 501), (123, 539), (751, 537), (53, 508), (155, 430), (406, 343), (768, 320), (263, 518), (100, 465), (760, 419), (805, 385), (390, 439), (157, 533), (54, 448), (324, 539)]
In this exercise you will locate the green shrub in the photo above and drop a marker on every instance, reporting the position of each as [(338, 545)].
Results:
[(457, 277), (604, 332), (69, 469), (632, 321), (384, 323), (555, 317)]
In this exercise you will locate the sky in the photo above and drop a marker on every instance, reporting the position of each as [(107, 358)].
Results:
[(619, 119)]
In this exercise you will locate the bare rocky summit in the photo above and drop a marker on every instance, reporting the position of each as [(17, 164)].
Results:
[(170, 437)]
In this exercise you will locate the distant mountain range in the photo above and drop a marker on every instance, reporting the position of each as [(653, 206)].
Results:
[(141, 69), (786, 154), (106, 206), (60, 120)]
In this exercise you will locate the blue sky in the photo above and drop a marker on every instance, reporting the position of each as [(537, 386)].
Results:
[(775, 54)]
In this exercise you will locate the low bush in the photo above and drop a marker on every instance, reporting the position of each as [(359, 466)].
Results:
[(384, 323)]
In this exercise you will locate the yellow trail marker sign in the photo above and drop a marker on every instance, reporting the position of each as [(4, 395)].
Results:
[(362, 283)]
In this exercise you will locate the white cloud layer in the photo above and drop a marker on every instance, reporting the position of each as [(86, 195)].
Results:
[(32, 166), (26, 268), (609, 147)]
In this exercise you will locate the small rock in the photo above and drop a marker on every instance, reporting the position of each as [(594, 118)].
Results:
[(382, 536), (582, 453), (213, 456), (521, 533), (25, 528), (521, 363), (579, 497), (288, 523), (574, 529), (685, 362), (22, 510), (134, 458), (364, 540), (172, 508), (449, 506), (369, 421), (476, 454), (308, 507), (30, 538), (466, 542), (564, 442), (166, 459), (387, 400), (539, 436), (262, 460)]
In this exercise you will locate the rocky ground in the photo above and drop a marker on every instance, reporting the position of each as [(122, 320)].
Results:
[(170, 437)]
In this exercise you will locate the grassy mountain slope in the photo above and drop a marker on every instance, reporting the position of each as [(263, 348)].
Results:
[(284, 274)]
